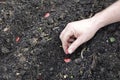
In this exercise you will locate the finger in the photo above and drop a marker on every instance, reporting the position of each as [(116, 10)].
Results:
[(75, 45), (61, 34), (66, 48), (65, 39), (66, 29)]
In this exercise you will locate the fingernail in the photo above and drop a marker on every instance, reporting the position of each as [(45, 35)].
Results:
[(70, 51)]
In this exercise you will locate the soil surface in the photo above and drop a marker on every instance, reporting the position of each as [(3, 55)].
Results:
[(30, 48)]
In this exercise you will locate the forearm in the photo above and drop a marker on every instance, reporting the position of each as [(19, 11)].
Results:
[(109, 15)]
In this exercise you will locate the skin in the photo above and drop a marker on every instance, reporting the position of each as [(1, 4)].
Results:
[(79, 32)]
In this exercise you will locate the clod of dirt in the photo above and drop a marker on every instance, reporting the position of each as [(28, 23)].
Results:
[(33, 41), (22, 59), (78, 61), (50, 20), (5, 50), (51, 69)]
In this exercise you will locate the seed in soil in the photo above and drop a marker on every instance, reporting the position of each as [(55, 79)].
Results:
[(17, 39), (46, 15), (67, 60)]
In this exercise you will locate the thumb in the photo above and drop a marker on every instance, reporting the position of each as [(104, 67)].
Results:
[(75, 45)]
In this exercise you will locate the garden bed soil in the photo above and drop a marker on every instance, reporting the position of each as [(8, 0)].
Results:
[(30, 48)]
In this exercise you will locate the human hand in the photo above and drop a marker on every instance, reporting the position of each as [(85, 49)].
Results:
[(77, 33)]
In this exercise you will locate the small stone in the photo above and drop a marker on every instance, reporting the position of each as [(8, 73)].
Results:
[(62, 16), (65, 76), (71, 76), (78, 61), (17, 74), (33, 41), (50, 20), (51, 69), (5, 50), (81, 72), (6, 29)]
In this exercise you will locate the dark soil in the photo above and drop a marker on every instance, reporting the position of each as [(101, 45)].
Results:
[(30, 48)]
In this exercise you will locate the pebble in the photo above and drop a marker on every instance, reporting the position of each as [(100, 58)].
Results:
[(6, 29), (65, 76), (50, 20), (78, 61), (17, 74), (51, 69), (62, 16)]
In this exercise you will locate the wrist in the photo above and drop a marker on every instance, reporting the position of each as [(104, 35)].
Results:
[(98, 20)]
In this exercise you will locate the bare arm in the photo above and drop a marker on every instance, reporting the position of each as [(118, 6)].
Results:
[(84, 30), (109, 15)]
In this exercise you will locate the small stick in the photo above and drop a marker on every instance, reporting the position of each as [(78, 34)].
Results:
[(82, 52)]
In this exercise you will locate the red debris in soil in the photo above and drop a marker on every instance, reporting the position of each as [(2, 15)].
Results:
[(67, 60), (17, 39), (46, 15)]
